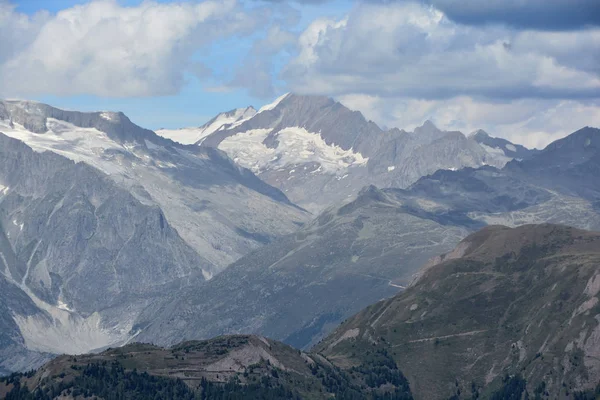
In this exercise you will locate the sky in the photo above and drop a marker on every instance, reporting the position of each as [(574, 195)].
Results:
[(526, 70)]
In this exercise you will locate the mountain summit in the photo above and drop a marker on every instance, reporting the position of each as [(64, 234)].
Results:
[(198, 135), (319, 152)]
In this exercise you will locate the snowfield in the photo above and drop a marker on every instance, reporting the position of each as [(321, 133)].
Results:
[(295, 146)]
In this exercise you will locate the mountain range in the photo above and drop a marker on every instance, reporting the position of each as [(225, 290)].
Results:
[(281, 222), (318, 152), (302, 285)]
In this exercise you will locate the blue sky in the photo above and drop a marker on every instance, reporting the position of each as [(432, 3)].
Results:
[(527, 70)]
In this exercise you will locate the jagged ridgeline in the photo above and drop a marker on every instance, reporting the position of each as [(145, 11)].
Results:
[(319, 152)]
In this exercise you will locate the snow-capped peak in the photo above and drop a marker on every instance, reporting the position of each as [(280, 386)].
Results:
[(274, 104), (197, 135), (479, 133)]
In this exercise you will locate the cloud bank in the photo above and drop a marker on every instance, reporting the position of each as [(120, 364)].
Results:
[(527, 14), (105, 49), (415, 51), (404, 62)]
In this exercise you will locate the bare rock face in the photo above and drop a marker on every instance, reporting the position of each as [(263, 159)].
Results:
[(84, 253), (99, 218)]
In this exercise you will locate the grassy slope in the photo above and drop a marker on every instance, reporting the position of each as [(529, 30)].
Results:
[(521, 300)]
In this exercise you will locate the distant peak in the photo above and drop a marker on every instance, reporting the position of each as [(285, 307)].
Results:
[(427, 129), (238, 112), (372, 192), (367, 196), (479, 133), (274, 104), (428, 124), (293, 98)]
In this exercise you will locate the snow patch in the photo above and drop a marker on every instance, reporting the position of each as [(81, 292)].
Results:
[(296, 146), (63, 306), (110, 116), (510, 147), (183, 135), (593, 286), (497, 154), (78, 144)]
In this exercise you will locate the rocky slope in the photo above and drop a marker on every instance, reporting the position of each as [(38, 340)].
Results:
[(220, 209), (82, 254), (299, 287), (99, 218), (509, 313), (505, 301), (570, 165)]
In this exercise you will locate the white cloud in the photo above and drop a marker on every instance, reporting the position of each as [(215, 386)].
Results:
[(531, 122), (17, 30), (105, 49), (256, 72), (415, 50)]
